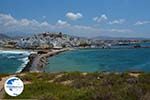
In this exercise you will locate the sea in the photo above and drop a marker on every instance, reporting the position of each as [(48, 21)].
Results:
[(13, 61), (101, 60), (84, 60)]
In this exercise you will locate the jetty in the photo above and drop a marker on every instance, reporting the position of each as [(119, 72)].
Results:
[(38, 61)]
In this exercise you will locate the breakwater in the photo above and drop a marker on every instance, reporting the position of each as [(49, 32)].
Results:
[(38, 61)]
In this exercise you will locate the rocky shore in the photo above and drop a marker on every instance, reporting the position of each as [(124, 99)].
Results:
[(38, 61)]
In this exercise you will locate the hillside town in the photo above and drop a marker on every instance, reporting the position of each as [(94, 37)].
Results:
[(59, 40)]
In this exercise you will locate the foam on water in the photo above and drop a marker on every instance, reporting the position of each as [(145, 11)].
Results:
[(15, 52), (11, 57), (25, 61), (20, 55)]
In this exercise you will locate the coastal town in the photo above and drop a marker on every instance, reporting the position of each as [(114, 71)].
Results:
[(47, 40), (46, 44), (74, 50)]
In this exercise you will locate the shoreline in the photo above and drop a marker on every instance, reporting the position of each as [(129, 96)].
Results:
[(24, 60), (38, 61)]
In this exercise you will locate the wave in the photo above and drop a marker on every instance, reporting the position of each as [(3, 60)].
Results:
[(18, 55), (15, 52), (25, 61), (11, 57)]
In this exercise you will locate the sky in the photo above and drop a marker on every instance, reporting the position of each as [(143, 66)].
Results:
[(87, 18)]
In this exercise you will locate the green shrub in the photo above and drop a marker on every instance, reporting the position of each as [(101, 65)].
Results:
[(92, 86)]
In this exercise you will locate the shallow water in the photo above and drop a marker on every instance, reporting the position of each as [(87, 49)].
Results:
[(90, 60)]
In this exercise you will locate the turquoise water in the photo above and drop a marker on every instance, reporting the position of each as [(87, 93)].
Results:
[(86, 60), (12, 61), (90, 60)]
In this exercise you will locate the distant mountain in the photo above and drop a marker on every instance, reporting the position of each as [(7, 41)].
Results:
[(11, 36), (19, 34), (118, 38), (3, 36)]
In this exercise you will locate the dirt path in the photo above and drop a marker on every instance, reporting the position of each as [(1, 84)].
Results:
[(2, 82)]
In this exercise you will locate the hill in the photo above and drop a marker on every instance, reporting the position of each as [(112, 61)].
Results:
[(85, 86), (3, 36), (119, 38)]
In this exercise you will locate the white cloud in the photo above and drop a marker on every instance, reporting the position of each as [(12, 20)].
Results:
[(120, 21), (104, 18), (45, 23), (7, 20), (11, 24), (142, 22), (120, 30), (73, 16), (24, 22), (101, 18), (62, 23), (86, 28)]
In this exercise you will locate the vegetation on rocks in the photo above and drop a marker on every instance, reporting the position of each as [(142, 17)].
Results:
[(85, 86)]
